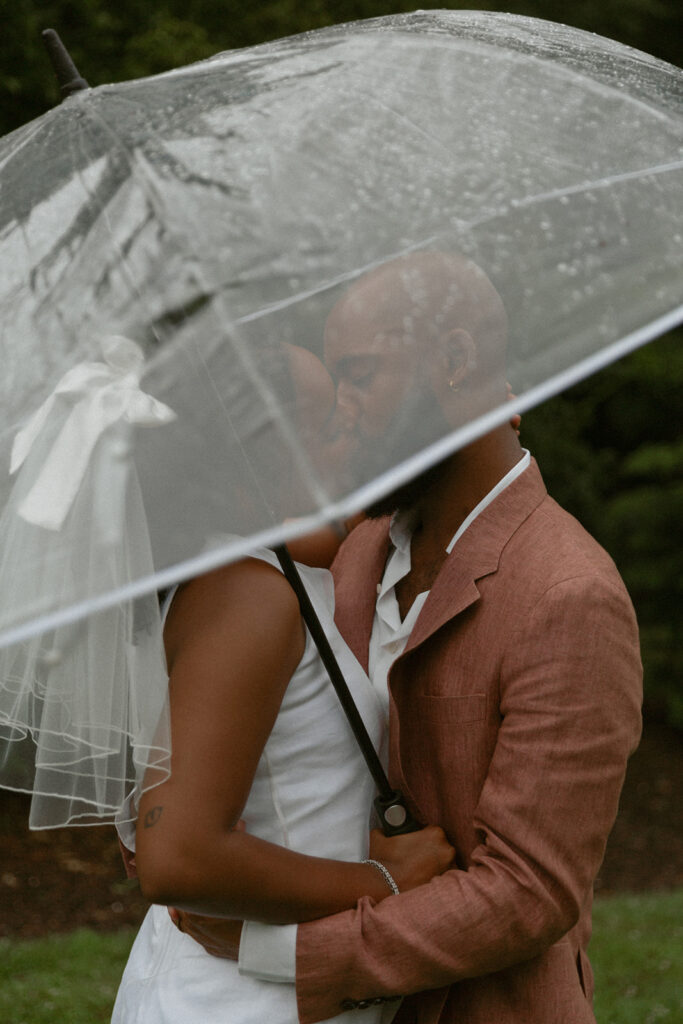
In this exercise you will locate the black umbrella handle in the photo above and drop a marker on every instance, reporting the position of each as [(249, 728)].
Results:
[(390, 806)]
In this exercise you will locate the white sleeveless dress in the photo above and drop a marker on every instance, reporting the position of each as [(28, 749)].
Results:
[(312, 792)]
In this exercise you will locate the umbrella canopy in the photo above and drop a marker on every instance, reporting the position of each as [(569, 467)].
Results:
[(162, 241)]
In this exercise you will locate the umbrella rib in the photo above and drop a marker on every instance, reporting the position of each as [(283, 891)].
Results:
[(334, 282), (196, 565), (101, 197), (569, 190), (358, 499), (406, 120), (407, 470), (156, 203)]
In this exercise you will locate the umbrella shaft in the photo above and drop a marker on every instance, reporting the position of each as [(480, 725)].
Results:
[(332, 666)]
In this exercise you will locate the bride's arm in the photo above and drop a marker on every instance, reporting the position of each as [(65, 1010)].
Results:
[(234, 638)]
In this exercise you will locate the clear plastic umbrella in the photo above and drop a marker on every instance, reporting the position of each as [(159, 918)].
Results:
[(163, 241)]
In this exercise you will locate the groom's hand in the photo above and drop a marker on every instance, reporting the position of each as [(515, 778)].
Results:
[(219, 936)]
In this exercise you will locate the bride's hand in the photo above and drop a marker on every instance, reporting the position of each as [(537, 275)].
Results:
[(414, 858)]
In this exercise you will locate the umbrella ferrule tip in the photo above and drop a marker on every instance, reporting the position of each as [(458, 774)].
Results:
[(68, 78)]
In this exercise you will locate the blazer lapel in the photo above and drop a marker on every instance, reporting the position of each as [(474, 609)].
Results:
[(356, 579), (477, 554)]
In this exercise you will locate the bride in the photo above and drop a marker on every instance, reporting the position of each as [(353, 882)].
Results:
[(265, 814)]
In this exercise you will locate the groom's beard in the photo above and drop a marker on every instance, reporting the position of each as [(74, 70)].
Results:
[(404, 498), (417, 423)]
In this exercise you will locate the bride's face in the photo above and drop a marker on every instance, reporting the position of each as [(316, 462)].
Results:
[(322, 431)]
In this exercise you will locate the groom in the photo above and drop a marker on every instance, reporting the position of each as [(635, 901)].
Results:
[(505, 647)]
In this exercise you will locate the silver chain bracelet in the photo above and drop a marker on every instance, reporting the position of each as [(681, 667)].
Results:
[(386, 875)]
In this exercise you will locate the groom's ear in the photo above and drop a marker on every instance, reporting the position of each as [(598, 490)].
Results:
[(456, 360)]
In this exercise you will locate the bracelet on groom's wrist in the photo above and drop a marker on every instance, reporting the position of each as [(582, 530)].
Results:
[(385, 873)]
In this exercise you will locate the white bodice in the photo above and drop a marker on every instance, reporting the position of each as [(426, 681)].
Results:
[(312, 792)]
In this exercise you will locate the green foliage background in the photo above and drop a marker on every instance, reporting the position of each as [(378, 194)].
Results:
[(611, 449)]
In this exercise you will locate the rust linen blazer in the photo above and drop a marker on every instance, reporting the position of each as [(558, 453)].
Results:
[(512, 713)]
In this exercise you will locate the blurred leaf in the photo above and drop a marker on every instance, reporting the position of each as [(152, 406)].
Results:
[(660, 462)]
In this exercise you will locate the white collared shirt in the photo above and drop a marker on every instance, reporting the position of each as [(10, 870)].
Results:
[(268, 951), (389, 633)]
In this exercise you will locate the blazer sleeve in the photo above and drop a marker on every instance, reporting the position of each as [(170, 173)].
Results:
[(570, 697)]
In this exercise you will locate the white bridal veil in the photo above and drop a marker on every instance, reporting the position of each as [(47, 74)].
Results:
[(83, 706)]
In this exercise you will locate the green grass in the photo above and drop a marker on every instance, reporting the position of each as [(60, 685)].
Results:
[(65, 979), (637, 955)]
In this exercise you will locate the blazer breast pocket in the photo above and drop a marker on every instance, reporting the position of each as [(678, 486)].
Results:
[(453, 710)]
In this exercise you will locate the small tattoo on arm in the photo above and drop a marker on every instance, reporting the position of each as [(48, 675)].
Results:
[(152, 817)]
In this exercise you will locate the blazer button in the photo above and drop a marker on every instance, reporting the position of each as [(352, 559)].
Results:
[(363, 1004), (348, 1004)]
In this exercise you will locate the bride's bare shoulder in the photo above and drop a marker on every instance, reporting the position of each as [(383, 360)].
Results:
[(247, 602)]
